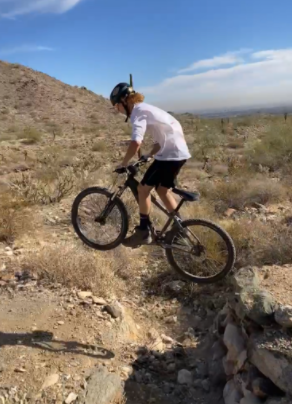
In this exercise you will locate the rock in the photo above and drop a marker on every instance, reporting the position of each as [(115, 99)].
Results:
[(175, 286), (229, 212), (236, 346), (217, 373), (202, 370), (103, 387), (156, 343), (184, 377), (272, 356), (206, 385), (84, 295), (20, 370), (218, 350), (257, 305), (278, 400), (250, 398), (50, 381), (138, 376), (99, 300), (61, 323), (245, 278), (264, 388), (283, 316), (171, 367), (231, 394), (115, 309), (127, 370), (71, 398), (166, 339)]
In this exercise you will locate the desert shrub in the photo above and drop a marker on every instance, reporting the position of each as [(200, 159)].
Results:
[(45, 190), (273, 150), (99, 146), (205, 144), (30, 136), (239, 192), (14, 219)]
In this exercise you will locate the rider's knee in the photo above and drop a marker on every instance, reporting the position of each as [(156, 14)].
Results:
[(162, 191), (143, 190)]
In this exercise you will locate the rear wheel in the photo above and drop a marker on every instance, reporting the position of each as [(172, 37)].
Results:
[(99, 231), (204, 254)]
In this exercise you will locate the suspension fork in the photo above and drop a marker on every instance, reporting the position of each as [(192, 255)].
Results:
[(110, 204)]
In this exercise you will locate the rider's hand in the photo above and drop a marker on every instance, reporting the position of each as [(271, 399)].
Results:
[(120, 169), (146, 157)]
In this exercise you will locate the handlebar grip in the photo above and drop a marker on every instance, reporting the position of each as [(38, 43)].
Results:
[(120, 170)]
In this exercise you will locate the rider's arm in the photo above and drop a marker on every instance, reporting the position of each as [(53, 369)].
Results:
[(132, 150), (139, 126)]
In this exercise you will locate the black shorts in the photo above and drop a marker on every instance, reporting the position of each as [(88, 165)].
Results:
[(162, 173)]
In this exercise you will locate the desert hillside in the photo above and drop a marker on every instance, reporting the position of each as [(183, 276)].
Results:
[(84, 326)]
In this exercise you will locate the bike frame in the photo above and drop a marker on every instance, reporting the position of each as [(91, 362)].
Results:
[(133, 184)]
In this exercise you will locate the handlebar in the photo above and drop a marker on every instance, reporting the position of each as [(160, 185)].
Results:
[(141, 161)]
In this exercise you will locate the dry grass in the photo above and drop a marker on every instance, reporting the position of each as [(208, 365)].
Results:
[(239, 192), (72, 265), (260, 243), (99, 146)]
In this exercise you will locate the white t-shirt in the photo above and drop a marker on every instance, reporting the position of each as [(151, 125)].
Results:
[(164, 128)]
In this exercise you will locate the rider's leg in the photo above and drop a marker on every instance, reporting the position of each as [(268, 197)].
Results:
[(142, 234), (167, 198), (144, 205)]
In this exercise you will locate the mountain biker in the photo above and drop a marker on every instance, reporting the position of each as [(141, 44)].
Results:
[(170, 153)]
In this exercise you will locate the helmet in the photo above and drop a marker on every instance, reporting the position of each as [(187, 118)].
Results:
[(120, 91)]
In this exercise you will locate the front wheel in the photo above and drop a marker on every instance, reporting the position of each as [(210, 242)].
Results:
[(100, 223), (202, 252)]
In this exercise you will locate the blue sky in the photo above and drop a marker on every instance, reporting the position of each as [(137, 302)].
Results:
[(183, 54)]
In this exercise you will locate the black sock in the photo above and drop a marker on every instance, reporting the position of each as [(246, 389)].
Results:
[(144, 221)]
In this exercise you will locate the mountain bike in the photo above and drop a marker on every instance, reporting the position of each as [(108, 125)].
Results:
[(181, 239)]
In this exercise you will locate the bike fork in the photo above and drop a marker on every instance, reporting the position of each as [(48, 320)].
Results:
[(109, 206)]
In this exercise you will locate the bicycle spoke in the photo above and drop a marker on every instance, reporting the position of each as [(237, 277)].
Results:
[(198, 251), (94, 231)]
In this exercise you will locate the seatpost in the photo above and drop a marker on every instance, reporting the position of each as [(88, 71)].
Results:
[(182, 201)]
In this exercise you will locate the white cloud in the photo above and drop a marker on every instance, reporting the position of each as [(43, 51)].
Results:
[(25, 49), (229, 58), (13, 8), (259, 78)]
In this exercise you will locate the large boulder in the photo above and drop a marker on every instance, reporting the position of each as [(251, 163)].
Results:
[(103, 387), (236, 345), (245, 278), (252, 302), (271, 353), (283, 316), (257, 305), (231, 394)]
